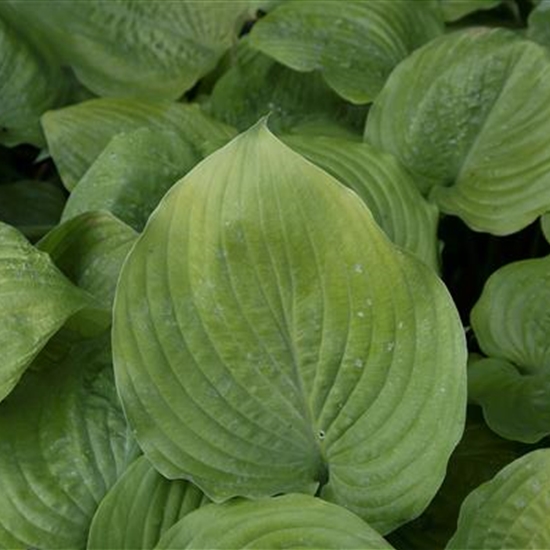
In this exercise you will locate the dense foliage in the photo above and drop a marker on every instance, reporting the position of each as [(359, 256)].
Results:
[(275, 274)]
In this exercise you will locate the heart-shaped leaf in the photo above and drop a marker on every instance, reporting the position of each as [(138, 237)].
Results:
[(63, 443), (512, 326), (511, 511), (140, 507), (77, 134), (354, 44), (290, 521), (269, 338), (467, 115)]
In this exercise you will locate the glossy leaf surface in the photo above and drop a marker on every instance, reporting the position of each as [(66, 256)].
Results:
[(269, 338)]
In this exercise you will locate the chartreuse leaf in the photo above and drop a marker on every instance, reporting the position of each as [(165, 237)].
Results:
[(385, 187), (36, 300), (269, 338), (455, 113), (538, 28), (131, 175), (34, 207), (63, 444), (77, 134), (257, 85), (26, 90), (90, 249), (511, 324), (140, 507), (510, 511), (141, 49), (354, 44), (456, 9), (477, 458), (290, 521)]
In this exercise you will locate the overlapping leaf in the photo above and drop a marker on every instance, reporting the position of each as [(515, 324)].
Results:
[(291, 521), (477, 458), (509, 512), (539, 18), (132, 174), (35, 301), (140, 507), (456, 9), (355, 44), (127, 48), (257, 85), (385, 187), (63, 443), (269, 338), (90, 249), (512, 326), (467, 116), (77, 134), (26, 90)]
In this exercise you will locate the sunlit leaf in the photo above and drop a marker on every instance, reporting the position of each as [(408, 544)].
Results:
[(140, 507), (132, 174), (511, 511), (290, 521), (63, 444), (354, 44), (77, 134), (269, 338), (467, 115)]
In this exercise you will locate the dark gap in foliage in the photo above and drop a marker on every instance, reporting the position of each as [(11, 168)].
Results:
[(469, 258)]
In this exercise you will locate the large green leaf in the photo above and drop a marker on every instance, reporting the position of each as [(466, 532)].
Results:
[(511, 511), (35, 301), (269, 338), (477, 458), (26, 90), (355, 44), (90, 249), (132, 174), (77, 134), (385, 187), (34, 207), (63, 443), (151, 49), (256, 85), (290, 521), (512, 326), (140, 507), (467, 115)]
